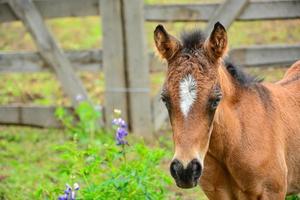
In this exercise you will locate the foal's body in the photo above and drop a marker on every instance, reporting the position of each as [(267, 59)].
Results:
[(254, 151), (239, 137)]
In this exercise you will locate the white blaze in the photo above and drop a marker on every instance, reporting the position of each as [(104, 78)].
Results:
[(188, 93)]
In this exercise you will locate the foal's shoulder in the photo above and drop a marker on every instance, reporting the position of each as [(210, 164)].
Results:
[(292, 75)]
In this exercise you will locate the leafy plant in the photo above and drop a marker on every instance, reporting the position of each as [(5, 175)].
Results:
[(87, 123), (108, 166), (293, 197)]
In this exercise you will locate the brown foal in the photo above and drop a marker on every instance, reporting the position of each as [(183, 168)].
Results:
[(238, 137)]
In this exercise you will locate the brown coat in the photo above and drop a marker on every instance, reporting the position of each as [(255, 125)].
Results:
[(246, 144)]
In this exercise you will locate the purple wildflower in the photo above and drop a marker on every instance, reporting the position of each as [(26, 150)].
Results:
[(70, 194), (119, 122), (121, 131), (63, 197)]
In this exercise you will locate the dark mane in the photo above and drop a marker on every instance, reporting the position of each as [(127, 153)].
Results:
[(195, 39), (240, 76)]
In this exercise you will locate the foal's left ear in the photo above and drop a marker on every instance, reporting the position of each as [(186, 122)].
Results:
[(216, 44)]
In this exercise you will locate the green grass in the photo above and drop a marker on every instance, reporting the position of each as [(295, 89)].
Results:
[(44, 89), (27, 160), (71, 33)]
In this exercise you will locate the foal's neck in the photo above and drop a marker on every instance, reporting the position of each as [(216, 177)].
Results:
[(228, 85), (225, 121)]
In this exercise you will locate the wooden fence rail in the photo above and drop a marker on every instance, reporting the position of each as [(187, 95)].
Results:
[(20, 62), (256, 10), (91, 60), (265, 55), (39, 116)]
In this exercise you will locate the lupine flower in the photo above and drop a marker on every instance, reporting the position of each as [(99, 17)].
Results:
[(70, 194), (120, 136), (121, 131), (119, 122)]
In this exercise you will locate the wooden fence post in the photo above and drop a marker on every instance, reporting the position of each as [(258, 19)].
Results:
[(226, 13), (125, 63), (49, 49), (137, 68), (113, 59)]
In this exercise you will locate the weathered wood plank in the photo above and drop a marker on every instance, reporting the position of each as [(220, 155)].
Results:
[(91, 60), (40, 116), (265, 55), (82, 60), (137, 68), (55, 8), (113, 59), (226, 13), (88, 60), (49, 49), (256, 10)]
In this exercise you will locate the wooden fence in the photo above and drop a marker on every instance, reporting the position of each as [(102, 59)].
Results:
[(123, 59)]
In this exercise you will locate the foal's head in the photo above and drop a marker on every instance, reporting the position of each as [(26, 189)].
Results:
[(191, 94)]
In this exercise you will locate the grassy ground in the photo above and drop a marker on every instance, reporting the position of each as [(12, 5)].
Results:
[(27, 155), (27, 160)]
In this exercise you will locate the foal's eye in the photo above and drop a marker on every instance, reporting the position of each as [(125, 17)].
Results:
[(215, 102), (166, 101)]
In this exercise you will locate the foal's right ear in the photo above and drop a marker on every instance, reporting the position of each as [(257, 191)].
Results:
[(166, 44)]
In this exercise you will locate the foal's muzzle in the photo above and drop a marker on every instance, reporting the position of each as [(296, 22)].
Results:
[(186, 177)]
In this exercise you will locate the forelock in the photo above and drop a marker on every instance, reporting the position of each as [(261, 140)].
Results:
[(193, 39)]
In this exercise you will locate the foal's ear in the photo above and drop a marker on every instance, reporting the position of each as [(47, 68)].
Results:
[(216, 44), (166, 44)]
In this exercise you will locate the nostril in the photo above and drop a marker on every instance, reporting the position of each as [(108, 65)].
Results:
[(175, 167), (173, 170), (196, 168)]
